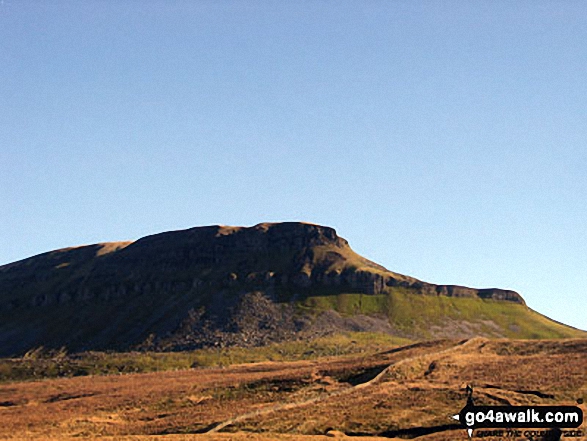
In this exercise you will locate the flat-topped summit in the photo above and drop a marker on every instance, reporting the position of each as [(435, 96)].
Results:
[(296, 255), (212, 278)]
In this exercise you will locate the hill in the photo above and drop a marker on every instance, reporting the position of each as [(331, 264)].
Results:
[(221, 285)]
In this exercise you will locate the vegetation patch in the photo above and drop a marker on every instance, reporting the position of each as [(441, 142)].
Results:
[(43, 363), (426, 316)]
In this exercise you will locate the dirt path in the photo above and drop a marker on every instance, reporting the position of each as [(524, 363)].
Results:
[(337, 393)]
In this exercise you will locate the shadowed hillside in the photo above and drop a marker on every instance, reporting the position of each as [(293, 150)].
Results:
[(223, 285)]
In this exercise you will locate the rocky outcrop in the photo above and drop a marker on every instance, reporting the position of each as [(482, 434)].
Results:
[(463, 291)]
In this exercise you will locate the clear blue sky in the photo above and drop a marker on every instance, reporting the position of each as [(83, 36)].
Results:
[(444, 140)]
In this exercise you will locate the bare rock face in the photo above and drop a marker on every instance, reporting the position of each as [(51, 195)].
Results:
[(463, 291), (116, 294)]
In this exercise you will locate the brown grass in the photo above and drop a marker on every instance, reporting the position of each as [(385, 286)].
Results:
[(322, 396), (110, 247)]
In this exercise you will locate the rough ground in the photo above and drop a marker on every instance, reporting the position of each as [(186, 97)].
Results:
[(401, 393)]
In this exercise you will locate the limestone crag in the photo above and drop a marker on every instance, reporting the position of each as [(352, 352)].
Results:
[(114, 294), (294, 256)]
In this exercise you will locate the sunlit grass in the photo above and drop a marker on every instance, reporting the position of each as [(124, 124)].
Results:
[(415, 315)]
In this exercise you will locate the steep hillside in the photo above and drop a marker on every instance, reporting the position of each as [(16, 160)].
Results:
[(223, 285)]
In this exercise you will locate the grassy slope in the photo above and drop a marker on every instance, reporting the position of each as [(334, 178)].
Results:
[(425, 316), (41, 363)]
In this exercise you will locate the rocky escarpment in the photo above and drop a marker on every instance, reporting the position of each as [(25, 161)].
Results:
[(286, 257), (116, 295)]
